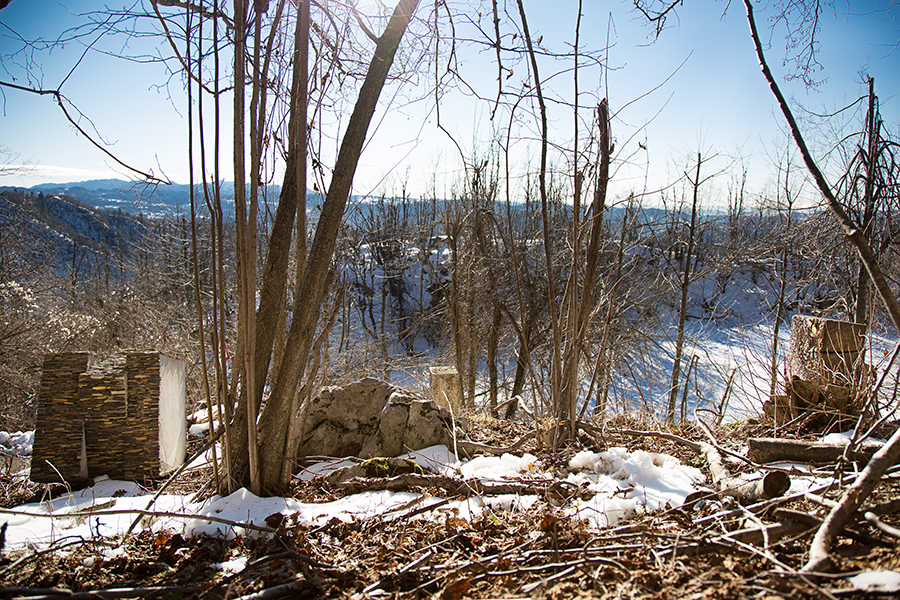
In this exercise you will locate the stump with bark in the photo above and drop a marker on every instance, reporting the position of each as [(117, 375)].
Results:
[(827, 378)]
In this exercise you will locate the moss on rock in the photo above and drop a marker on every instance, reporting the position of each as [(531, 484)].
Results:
[(389, 467)]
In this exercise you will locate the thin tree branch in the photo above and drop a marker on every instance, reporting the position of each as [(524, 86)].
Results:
[(60, 100), (890, 453)]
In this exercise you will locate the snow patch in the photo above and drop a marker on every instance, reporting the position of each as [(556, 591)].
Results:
[(504, 467), (885, 582), (19, 443), (629, 482)]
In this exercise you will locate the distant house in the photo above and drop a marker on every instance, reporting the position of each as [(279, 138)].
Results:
[(123, 417)]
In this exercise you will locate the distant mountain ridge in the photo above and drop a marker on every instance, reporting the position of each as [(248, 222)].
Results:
[(140, 199)]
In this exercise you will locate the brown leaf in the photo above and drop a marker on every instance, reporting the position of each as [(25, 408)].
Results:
[(455, 589)]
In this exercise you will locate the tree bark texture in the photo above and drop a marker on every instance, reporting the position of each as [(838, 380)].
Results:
[(276, 414)]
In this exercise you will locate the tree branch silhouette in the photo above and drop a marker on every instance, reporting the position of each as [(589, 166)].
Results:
[(61, 100)]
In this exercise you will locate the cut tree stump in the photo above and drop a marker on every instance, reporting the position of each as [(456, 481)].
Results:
[(825, 351), (827, 379), (446, 389)]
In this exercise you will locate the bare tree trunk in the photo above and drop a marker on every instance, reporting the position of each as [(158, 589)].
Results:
[(487, 254), (685, 287), (471, 339), (198, 299), (571, 383), (453, 300), (586, 307), (281, 407), (213, 197), (556, 348), (779, 309), (270, 317), (603, 366), (246, 268), (862, 283), (493, 340)]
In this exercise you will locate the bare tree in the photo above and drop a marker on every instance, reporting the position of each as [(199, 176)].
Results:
[(868, 191), (281, 326), (890, 453), (692, 232)]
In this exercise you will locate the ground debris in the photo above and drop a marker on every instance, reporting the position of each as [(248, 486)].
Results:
[(712, 549)]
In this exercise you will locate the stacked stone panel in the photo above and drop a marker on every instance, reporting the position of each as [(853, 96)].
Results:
[(142, 430), (98, 418), (102, 393), (58, 439)]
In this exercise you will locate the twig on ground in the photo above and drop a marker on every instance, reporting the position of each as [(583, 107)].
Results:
[(170, 480), (107, 594)]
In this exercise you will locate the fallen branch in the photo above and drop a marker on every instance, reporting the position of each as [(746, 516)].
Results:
[(468, 449), (767, 504), (850, 503), (284, 590), (885, 508), (695, 446), (769, 450), (814, 521), (57, 593), (772, 485), (866, 513), (750, 535), (460, 487)]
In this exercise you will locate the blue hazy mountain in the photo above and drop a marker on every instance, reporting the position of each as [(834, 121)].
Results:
[(142, 199)]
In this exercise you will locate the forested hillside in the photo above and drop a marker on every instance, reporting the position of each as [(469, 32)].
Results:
[(460, 281)]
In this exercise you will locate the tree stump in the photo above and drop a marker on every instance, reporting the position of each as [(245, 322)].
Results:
[(826, 352), (446, 389), (827, 379)]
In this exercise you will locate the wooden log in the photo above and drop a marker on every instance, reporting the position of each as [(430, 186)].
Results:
[(771, 485), (768, 450)]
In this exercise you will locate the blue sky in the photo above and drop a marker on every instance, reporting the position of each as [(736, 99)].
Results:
[(717, 102)]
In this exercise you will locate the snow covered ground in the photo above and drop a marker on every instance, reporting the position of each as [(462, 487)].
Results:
[(620, 484), (625, 484), (18, 443)]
